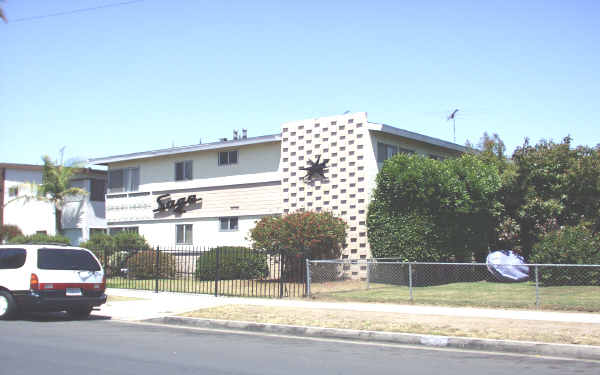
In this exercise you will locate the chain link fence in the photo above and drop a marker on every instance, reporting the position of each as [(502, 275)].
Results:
[(544, 286)]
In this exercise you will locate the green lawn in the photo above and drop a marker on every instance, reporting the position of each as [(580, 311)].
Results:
[(472, 294)]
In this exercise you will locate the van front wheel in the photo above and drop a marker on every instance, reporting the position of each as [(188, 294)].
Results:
[(8, 307)]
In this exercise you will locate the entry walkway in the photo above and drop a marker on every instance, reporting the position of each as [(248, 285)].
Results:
[(141, 305)]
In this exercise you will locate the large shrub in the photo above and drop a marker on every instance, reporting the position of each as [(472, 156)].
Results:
[(552, 185), (40, 238), (114, 250), (142, 265), (235, 263), (9, 231), (568, 245), (316, 235), (431, 210)]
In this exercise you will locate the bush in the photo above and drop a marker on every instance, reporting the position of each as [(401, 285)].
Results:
[(105, 246), (430, 210), (569, 245), (316, 235), (40, 238), (9, 231), (142, 265), (235, 263)]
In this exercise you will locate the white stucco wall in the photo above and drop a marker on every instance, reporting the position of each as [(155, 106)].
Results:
[(30, 216), (206, 232)]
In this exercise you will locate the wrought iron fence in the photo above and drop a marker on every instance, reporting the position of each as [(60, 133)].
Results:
[(230, 271), (544, 286)]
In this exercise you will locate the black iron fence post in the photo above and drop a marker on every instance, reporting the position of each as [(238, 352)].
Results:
[(217, 251), (157, 270), (281, 273)]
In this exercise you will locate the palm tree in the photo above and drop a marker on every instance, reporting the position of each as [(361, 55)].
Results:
[(55, 188)]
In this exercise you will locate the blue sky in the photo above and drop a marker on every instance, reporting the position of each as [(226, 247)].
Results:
[(151, 73)]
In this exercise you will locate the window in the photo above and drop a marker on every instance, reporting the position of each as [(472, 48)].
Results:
[(183, 234), (98, 190), (13, 191), (228, 157), (12, 258), (62, 259), (229, 223), (126, 179), (115, 230), (385, 151), (183, 170)]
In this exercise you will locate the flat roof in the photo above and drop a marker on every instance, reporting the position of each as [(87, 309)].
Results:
[(185, 149)]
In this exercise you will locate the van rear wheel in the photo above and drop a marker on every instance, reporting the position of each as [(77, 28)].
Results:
[(80, 313), (8, 307)]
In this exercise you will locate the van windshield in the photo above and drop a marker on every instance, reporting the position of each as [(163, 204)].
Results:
[(66, 259)]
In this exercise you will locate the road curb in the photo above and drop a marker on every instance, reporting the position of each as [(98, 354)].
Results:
[(505, 346)]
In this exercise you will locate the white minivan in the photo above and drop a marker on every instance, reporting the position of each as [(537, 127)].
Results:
[(43, 278)]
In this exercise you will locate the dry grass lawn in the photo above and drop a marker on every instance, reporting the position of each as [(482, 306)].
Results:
[(507, 329)]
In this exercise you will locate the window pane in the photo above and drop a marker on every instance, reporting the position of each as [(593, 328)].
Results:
[(61, 259), (178, 171), (188, 234), (12, 258), (381, 152), (391, 151), (233, 157), (115, 181), (135, 179), (179, 234), (224, 223), (233, 223), (223, 158), (188, 170), (98, 190)]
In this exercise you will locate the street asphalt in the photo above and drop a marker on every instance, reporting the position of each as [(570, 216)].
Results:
[(54, 344), (162, 308)]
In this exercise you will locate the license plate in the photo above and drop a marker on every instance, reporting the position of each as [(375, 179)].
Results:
[(73, 292)]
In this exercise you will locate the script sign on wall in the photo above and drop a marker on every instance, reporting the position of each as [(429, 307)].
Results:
[(166, 203)]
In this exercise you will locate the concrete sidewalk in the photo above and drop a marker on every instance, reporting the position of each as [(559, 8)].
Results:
[(155, 305), (162, 308)]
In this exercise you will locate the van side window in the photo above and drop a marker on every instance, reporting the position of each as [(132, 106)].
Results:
[(12, 258)]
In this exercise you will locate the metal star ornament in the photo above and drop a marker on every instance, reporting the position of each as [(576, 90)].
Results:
[(316, 169)]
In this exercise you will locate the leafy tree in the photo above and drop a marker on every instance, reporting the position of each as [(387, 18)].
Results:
[(553, 185), (9, 231), (445, 208), (316, 235), (55, 188)]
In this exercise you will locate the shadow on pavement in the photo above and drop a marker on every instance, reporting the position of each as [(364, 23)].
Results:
[(55, 317)]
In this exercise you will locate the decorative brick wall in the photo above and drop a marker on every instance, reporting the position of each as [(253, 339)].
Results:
[(344, 140)]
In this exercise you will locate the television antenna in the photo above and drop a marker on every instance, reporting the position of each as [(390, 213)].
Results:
[(453, 118)]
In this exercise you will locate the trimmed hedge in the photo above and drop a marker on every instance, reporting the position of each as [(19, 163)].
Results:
[(142, 265), (569, 245), (235, 263), (39, 238)]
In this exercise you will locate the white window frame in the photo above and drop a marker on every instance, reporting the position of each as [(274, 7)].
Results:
[(228, 220), (187, 234), (187, 170), (128, 181), (228, 161)]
